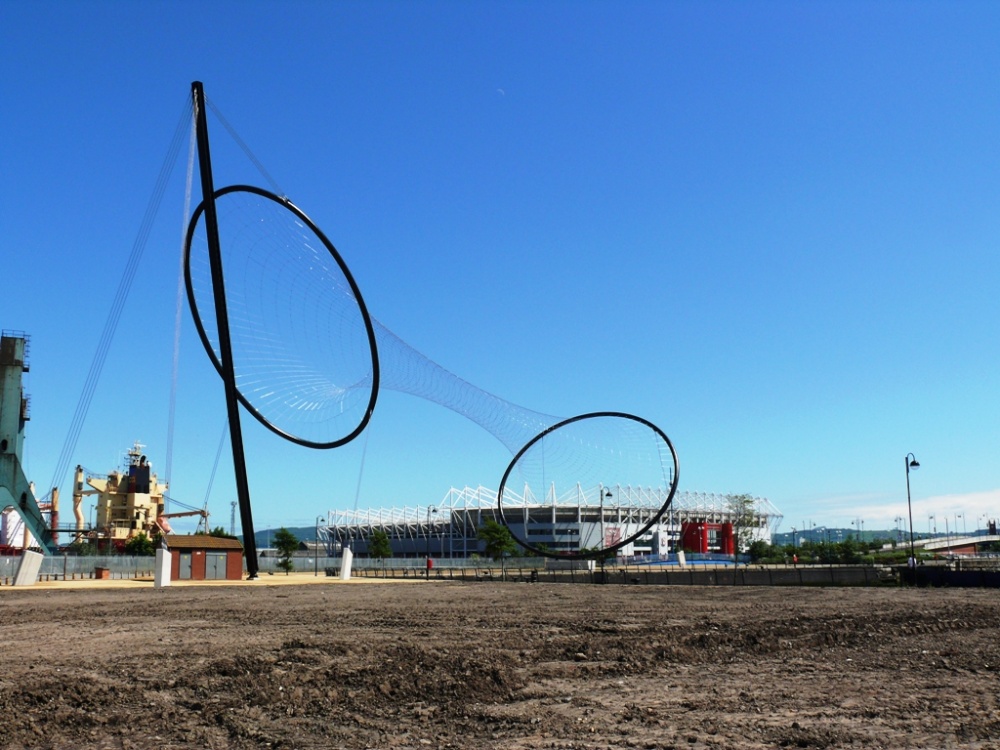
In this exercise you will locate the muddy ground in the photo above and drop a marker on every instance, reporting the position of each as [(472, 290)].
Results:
[(490, 665)]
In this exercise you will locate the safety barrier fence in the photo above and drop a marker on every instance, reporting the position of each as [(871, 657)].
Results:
[(721, 576)]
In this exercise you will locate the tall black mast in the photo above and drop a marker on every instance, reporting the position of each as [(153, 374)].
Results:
[(222, 324)]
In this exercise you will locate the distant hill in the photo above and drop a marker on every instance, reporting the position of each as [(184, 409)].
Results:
[(263, 538)]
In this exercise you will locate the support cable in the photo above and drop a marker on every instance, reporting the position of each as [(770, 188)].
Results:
[(178, 313), (124, 286), (275, 188), (361, 469), (218, 457)]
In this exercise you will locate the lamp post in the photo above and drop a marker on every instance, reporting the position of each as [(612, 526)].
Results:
[(911, 463), (600, 503), (430, 509), (316, 555), (441, 556), (602, 493)]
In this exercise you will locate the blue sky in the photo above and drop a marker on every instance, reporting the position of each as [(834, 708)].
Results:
[(770, 228)]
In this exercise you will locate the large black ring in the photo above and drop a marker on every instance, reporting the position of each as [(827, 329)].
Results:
[(369, 328)]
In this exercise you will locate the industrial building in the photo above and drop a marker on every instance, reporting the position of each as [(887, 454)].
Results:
[(568, 523)]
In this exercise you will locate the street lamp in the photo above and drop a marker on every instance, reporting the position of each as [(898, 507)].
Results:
[(427, 572), (441, 555), (316, 551), (600, 503), (911, 463), (603, 493)]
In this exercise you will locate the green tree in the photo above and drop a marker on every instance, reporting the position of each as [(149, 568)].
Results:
[(221, 532), (379, 547), (743, 512), (140, 546), (82, 548), (286, 543), (498, 540), (759, 550), (850, 551), (826, 552)]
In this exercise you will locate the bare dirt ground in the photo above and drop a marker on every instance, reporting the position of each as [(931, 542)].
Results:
[(489, 665)]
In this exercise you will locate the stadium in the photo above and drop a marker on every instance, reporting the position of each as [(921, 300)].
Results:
[(568, 523)]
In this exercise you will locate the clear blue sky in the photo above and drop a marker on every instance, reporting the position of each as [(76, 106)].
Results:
[(770, 228)]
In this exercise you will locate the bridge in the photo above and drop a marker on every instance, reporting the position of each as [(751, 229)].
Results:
[(956, 543)]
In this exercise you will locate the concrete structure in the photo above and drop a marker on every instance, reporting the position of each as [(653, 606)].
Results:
[(15, 490), (345, 565), (27, 570), (161, 571)]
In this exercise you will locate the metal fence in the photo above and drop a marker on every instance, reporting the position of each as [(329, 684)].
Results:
[(67, 567)]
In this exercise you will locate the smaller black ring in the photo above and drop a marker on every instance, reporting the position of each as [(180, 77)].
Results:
[(608, 550)]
